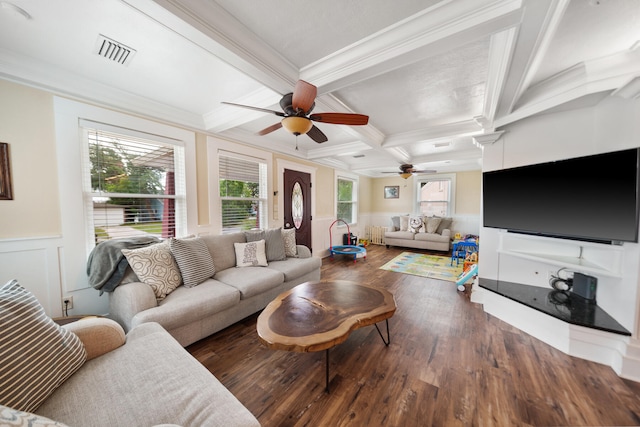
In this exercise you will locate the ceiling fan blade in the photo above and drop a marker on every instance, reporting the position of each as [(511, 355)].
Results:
[(270, 129), (317, 135), (426, 171), (304, 94), (264, 110), (340, 118)]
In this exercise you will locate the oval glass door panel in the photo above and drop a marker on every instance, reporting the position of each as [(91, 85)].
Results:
[(296, 205)]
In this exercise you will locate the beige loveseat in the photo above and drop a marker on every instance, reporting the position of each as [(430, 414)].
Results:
[(233, 293), (414, 231)]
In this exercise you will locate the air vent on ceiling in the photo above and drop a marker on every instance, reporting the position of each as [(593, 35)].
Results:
[(113, 50)]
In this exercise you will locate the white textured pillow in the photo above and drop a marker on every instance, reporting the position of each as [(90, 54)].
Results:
[(155, 266), (37, 355), (432, 224), (289, 237), (193, 259), (14, 418), (250, 254)]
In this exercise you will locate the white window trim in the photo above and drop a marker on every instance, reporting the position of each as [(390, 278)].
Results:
[(69, 146), (436, 177), (356, 179)]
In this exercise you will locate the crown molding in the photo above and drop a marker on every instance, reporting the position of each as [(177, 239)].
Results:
[(500, 53), (487, 138), (630, 90)]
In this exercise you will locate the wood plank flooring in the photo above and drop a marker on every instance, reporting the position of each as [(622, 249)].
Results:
[(449, 364)]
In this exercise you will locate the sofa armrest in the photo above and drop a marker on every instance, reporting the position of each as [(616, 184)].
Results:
[(99, 335), (446, 232), (303, 251), (128, 300)]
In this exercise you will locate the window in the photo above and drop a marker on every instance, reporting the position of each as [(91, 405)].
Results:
[(243, 192), (434, 197), (347, 200), (133, 186)]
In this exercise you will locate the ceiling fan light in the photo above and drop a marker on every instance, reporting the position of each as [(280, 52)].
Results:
[(405, 175), (297, 125)]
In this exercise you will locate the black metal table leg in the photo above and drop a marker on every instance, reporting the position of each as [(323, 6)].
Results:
[(388, 340)]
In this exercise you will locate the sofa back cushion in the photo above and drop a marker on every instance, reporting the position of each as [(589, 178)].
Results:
[(193, 259), (222, 249), (37, 354)]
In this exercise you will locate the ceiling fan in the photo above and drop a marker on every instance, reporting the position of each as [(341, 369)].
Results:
[(296, 112), (406, 170)]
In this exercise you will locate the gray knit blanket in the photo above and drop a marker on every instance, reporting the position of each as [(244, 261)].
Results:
[(107, 264)]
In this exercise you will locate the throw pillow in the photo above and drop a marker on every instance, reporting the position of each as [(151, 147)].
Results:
[(15, 418), (432, 224), (193, 259), (404, 223), (289, 238), (155, 266), (250, 254), (37, 354), (415, 224), (254, 235), (444, 225), (273, 242), (395, 223)]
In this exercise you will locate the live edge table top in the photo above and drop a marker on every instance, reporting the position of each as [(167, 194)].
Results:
[(316, 316)]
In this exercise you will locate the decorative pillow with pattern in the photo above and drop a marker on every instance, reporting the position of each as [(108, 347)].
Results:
[(14, 418), (250, 254), (415, 224), (36, 354), (289, 237), (432, 224), (155, 266), (193, 259)]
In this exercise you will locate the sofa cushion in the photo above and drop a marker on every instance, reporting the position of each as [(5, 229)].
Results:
[(289, 238), (155, 266), (431, 225), (187, 305), (221, 248), (37, 355), (193, 259), (431, 237), (250, 254), (293, 268), (251, 281), (404, 223), (406, 235), (395, 223), (273, 242), (148, 381), (10, 417)]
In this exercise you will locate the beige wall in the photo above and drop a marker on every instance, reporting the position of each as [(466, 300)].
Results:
[(468, 187), (27, 124), (364, 194)]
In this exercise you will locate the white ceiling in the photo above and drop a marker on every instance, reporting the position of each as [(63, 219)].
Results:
[(432, 75)]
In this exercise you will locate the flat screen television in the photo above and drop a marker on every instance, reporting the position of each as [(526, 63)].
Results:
[(592, 198)]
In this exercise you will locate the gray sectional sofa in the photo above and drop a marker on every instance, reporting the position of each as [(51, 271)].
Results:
[(233, 293), (418, 232)]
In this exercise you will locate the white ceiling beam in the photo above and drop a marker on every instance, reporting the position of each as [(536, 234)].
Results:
[(436, 29), (447, 130), (539, 22), (210, 26), (337, 150)]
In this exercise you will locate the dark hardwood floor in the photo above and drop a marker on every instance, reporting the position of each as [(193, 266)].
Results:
[(448, 364)]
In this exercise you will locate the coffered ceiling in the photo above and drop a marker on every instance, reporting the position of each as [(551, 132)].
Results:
[(433, 75)]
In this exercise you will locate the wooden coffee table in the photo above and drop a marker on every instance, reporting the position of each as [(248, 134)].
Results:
[(316, 316)]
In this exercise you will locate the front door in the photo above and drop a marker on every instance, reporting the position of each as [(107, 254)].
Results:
[(297, 205)]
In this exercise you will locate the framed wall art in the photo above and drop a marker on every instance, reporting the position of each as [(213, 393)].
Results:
[(5, 173), (391, 191)]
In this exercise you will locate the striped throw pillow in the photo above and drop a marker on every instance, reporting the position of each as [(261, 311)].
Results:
[(194, 260), (36, 355)]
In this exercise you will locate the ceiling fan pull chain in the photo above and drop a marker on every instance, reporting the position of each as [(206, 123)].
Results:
[(296, 142)]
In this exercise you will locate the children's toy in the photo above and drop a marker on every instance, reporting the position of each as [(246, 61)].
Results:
[(350, 249), (466, 275)]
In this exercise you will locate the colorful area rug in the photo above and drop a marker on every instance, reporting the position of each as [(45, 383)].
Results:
[(430, 266)]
